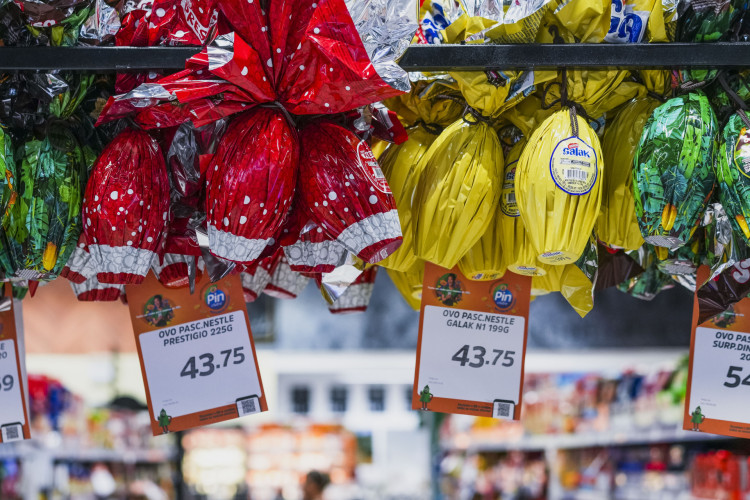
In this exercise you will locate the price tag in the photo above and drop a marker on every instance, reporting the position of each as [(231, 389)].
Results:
[(197, 354), (472, 343), (14, 422), (719, 375)]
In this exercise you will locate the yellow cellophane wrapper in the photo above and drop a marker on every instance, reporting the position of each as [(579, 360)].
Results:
[(658, 81), (402, 167), (492, 99), (572, 284), (378, 147), (587, 20), (422, 103), (518, 254), (528, 115), (457, 192), (558, 223), (409, 284), (523, 30), (597, 91), (577, 289), (549, 282), (465, 27), (617, 226)]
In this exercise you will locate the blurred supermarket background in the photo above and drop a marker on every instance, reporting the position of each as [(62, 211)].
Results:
[(601, 422)]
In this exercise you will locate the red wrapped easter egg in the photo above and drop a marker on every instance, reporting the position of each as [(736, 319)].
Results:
[(126, 208), (356, 298), (285, 283), (80, 266), (255, 278), (251, 181), (92, 290), (345, 192)]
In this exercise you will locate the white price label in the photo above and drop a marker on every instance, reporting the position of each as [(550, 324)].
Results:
[(11, 399), (200, 365), (721, 374), (472, 356)]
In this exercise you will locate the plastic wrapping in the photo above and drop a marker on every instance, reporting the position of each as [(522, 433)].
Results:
[(673, 172), (285, 283), (617, 225), (733, 172), (648, 284), (386, 28), (256, 277), (102, 24), (558, 187), (579, 279), (345, 193), (720, 293), (409, 284), (57, 21), (334, 284), (251, 181), (458, 191), (175, 270), (43, 221), (92, 290), (126, 208), (313, 61), (402, 167), (615, 267), (356, 298)]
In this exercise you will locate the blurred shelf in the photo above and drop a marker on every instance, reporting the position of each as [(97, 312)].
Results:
[(474, 57), (578, 441), (24, 451)]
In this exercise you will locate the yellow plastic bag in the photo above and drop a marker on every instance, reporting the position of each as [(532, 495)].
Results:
[(558, 187), (587, 20), (528, 115), (494, 92), (658, 81), (402, 167), (518, 254), (617, 225), (458, 191), (409, 284), (422, 103), (549, 282)]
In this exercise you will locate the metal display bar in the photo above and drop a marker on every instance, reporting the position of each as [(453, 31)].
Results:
[(98, 59), (416, 58), (542, 56)]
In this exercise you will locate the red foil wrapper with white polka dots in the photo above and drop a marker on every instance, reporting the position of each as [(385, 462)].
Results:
[(80, 266), (356, 298), (285, 283), (174, 270), (251, 181), (126, 208), (256, 277), (92, 290), (344, 192), (307, 55), (309, 249)]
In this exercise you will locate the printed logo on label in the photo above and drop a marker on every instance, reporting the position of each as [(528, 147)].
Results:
[(626, 24), (449, 289), (503, 297), (573, 166), (215, 298), (742, 152), (508, 204), (370, 167), (158, 311)]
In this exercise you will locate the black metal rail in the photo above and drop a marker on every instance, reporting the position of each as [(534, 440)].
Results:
[(416, 58)]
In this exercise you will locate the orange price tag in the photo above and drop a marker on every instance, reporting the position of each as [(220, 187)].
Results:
[(472, 344), (14, 415), (719, 373), (196, 351)]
